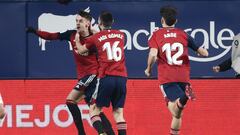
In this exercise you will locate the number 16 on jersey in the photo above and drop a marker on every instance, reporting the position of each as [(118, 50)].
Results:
[(114, 52)]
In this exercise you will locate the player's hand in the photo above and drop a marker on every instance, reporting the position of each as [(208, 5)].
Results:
[(30, 30), (147, 72), (216, 69), (77, 37)]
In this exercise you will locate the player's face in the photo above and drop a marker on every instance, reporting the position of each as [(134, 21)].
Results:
[(82, 23)]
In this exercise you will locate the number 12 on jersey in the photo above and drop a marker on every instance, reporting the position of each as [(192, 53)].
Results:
[(172, 60), (113, 52)]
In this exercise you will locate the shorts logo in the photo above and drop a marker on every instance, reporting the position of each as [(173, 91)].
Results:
[(77, 86)]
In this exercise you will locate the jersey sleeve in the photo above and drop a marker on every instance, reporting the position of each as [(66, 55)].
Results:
[(90, 42), (48, 35), (66, 35), (225, 65), (55, 36), (191, 43), (152, 43)]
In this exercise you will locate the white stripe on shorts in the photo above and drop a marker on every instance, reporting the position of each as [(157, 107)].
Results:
[(94, 96), (86, 83), (89, 80), (163, 92)]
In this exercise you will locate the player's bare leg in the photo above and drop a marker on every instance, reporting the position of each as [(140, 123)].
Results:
[(2, 113), (76, 95), (94, 112), (119, 119), (176, 117), (2, 110), (72, 99)]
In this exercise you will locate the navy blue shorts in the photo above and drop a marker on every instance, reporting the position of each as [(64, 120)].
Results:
[(174, 90), (111, 89), (88, 85)]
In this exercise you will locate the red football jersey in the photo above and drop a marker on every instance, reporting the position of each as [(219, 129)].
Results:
[(173, 61), (110, 46), (85, 64)]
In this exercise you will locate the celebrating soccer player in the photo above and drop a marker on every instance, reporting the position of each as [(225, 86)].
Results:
[(87, 66), (169, 47), (112, 78)]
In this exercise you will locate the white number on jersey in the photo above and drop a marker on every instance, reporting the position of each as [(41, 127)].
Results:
[(172, 60), (113, 52)]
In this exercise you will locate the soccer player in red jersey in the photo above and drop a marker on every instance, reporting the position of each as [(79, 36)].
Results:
[(2, 110), (169, 47), (87, 69), (112, 78)]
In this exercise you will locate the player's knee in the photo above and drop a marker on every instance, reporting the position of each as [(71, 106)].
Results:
[(177, 115), (70, 101), (75, 96), (118, 115), (94, 110)]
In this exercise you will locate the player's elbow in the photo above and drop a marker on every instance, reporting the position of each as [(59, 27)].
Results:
[(153, 52), (203, 52)]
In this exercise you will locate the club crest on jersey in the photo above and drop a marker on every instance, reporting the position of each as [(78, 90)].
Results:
[(236, 43)]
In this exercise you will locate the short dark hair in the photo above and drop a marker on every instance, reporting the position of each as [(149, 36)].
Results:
[(169, 13), (85, 15), (106, 18)]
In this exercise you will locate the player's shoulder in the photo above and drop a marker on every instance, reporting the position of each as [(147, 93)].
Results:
[(70, 31), (67, 35), (236, 40), (116, 31), (237, 37), (180, 31), (158, 30)]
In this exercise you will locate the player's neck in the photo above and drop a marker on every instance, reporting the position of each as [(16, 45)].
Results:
[(85, 33), (106, 28), (166, 26)]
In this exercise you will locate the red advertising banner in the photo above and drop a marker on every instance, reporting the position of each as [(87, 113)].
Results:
[(37, 107)]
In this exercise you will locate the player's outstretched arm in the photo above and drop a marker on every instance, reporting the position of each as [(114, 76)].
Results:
[(43, 34), (151, 60), (202, 52), (224, 66), (81, 48)]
